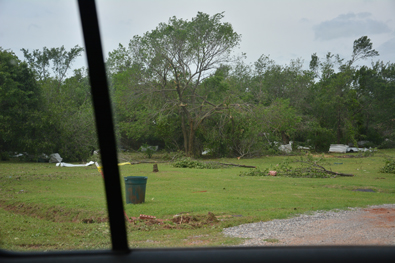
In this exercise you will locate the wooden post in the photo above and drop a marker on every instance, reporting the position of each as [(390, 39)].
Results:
[(156, 168)]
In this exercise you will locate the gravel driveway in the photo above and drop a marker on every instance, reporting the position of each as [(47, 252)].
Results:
[(374, 225)]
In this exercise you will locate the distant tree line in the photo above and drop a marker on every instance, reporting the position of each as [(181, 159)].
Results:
[(179, 86)]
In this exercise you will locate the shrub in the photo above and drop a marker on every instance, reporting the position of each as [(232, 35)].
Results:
[(4, 156), (389, 166), (189, 163), (148, 150), (388, 144), (255, 172)]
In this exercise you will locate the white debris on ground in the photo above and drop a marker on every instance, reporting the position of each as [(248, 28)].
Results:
[(152, 148), (287, 148), (338, 148), (74, 165), (342, 148), (55, 158)]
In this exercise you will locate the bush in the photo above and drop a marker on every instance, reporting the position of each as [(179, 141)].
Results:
[(195, 164), (174, 156), (5, 156), (387, 144), (389, 166), (147, 150), (255, 172)]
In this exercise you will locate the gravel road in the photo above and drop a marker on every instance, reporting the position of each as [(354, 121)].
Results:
[(374, 225)]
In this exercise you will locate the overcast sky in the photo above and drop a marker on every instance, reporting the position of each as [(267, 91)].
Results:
[(284, 30)]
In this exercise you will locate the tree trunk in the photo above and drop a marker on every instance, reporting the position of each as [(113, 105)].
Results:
[(285, 137), (339, 132), (184, 132), (367, 123), (191, 139)]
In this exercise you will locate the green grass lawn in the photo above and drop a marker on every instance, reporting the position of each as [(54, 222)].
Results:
[(44, 207)]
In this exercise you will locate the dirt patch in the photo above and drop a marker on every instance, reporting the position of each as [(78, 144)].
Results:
[(55, 213), (177, 222), (381, 217)]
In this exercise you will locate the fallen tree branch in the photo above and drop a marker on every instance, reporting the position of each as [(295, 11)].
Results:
[(139, 162), (238, 165), (322, 169)]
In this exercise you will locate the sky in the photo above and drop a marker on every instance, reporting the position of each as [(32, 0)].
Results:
[(283, 29)]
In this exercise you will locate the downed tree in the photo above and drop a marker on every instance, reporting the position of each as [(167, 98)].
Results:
[(238, 165), (139, 162), (314, 167), (191, 163), (310, 167)]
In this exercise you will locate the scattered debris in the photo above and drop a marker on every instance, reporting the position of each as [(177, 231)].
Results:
[(146, 217), (152, 148), (304, 148), (55, 158), (342, 148), (356, 149), (187, 213), (74, 165), (17, 155), (126, 215), (88, 220), (287, 148), (125, 163), (338, 148), (205, 152), (195, 220)]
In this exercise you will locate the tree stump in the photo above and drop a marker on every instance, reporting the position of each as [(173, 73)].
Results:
[(156, 168)]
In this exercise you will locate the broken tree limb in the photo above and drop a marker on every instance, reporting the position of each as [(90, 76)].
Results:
[(322, 169), (139, 162), (238, 165)]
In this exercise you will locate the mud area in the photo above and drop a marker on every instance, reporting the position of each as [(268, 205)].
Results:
[(374, 225)]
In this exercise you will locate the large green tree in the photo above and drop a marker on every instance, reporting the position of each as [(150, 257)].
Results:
[(66, 115), (375, 87), (334, 99), (20, 100), (175, 59)]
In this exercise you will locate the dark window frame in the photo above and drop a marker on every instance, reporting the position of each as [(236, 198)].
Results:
[(120, 251)]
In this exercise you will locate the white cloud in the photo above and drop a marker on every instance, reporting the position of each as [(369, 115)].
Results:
[(387, 51), (350, 25)]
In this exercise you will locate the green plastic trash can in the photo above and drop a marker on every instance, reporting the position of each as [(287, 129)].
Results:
[(135, 189)]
